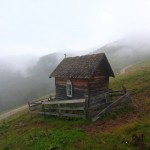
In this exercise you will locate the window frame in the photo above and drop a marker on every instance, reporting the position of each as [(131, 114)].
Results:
[(69, 88)]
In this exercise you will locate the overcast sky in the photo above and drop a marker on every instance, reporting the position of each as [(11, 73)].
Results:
[(44, 26)]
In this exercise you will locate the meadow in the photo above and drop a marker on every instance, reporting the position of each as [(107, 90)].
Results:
[(113, 131)]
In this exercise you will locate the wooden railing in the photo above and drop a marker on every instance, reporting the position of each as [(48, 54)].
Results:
[(122, 101), (34, 105), (81, 108), (69, 108)]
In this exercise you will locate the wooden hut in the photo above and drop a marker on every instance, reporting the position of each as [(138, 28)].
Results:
[(78, 76)]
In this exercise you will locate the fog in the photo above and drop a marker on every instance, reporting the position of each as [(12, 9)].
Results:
[(43, 27), (17, 63), (35, 35), (22, 81), (26, 77)]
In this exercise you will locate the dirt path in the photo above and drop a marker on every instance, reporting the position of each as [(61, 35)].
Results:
[(14, 111), (123, 70)]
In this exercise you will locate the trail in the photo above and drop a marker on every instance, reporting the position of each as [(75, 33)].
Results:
[(14, 111), (123, 70)]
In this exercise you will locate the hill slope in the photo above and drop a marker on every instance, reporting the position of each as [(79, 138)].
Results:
[(125, 52), (114, 131), (17, 89)]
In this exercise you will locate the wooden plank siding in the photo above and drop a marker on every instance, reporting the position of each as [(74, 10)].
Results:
[(92, 87), (98, 84), (65, 101), (82, 87), (79, 88)]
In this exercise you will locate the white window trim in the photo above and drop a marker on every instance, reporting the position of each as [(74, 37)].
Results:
[(69, 90)]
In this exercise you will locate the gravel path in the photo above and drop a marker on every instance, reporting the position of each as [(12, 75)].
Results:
[(123, 70), (14, 111)]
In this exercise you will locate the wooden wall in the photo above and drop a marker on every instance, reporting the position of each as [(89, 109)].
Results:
[(79, 88), (94, 86), (98, 84)]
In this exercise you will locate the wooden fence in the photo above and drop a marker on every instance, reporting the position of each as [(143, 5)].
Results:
[(69, 108), (81, 108), (120, 103)]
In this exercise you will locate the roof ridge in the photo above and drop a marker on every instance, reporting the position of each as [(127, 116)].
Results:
[(79, 66)]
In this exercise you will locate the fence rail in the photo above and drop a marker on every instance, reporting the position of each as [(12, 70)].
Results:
[(121, 101), (69, 108), (81, 108)]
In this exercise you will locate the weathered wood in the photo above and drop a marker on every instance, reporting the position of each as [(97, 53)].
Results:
[(47, 113), (32, 108), (73, 115), (94, 110), (80, 87), (65, 102), (66, 108), (86, 107), (59, 108), (34, 105), (40, 100), (122, 99), (61, 114), (82, 108), (99, 105)]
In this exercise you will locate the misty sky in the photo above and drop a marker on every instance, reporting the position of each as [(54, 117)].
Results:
[(44, 26)]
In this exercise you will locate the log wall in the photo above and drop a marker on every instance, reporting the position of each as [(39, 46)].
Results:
[(98, 84), (79, 88)]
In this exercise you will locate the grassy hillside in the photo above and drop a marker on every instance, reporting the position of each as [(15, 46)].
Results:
[(113, 132)]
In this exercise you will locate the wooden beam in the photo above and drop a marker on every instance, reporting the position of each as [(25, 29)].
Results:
[(124, 98), (64, 102), (73, 115), (69, 108)]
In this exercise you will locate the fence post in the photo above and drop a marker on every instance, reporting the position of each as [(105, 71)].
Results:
[(29, 108), (29, 105), (86, 107), (43, 108), (59, 111), (110, 94)]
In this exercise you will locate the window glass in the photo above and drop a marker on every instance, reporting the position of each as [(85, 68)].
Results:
[(69, 88)]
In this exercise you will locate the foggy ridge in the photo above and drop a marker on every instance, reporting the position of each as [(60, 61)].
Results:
[(28, 78)]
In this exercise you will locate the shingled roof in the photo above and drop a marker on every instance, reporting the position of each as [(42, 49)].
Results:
[(81, 66)]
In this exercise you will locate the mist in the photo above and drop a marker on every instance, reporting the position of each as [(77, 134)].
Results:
[(35, 35), (26, 77), (44, 27), (17, 63)]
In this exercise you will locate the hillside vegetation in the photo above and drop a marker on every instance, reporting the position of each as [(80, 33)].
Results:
[(112, 132)]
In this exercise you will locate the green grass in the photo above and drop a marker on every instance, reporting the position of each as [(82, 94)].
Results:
[(116, 113), (136, 80), (39, 132), (112, 132)]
